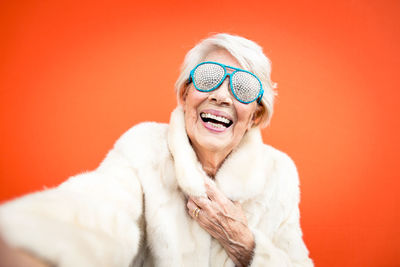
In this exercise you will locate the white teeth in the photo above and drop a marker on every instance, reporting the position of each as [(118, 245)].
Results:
[(217, 118), (216, 125)]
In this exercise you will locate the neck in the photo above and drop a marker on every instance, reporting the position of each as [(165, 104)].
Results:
[(210, 160)]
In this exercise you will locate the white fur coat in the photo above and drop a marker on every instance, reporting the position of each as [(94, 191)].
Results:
[(131, 210)]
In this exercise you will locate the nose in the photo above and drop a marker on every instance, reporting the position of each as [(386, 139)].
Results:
[(222, 95)]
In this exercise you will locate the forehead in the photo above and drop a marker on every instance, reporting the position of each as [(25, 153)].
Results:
[(224, 57)]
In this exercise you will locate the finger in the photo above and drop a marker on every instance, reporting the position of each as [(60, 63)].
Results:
[(214, 193), (209, 210), (202, 202), (191, 207), (206, 221), (211, 190)]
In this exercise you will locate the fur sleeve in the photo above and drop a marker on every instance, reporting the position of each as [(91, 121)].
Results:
[(286, 246), (92, 219)]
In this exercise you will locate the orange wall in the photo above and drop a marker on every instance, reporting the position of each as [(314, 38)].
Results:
[(75, 76)]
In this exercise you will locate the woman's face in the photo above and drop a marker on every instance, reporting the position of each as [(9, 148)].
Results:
[(215, 120)]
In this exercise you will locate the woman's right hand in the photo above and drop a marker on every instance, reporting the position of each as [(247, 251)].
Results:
[(12, 257)]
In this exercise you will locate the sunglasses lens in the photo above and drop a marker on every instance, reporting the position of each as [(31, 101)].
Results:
[(245, 86), (207, 76)]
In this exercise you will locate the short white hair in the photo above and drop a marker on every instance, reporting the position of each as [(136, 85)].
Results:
[(249, 55)]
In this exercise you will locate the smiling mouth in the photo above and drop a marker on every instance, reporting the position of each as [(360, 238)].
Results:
[(216, 121)]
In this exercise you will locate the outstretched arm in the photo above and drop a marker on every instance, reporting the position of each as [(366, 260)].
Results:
[(92, 219), (12, 257)]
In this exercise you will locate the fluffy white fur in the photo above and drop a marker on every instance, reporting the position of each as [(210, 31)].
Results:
[(131, 210)]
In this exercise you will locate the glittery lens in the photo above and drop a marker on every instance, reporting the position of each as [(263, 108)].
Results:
[(245, 86), (207, 76)]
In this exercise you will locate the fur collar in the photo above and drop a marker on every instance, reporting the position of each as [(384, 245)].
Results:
[(241, 175)]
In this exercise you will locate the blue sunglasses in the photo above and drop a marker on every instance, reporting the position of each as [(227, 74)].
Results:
[(245, 86)]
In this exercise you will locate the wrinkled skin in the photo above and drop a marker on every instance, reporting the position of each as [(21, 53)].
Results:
[(225, 221)]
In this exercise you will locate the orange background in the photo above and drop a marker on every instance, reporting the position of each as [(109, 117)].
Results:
[(75, 76)]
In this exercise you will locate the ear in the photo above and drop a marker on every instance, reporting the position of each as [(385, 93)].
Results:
[(183, 93), (255, 121)]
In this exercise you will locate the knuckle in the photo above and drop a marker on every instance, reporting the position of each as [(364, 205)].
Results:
[(213, 215), (208, 206), (225, 204), (203, 201)]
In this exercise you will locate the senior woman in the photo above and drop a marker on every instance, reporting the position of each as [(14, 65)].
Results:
[(201, 191)]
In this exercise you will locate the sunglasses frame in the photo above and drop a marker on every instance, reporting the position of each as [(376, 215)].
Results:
[(225, 67)]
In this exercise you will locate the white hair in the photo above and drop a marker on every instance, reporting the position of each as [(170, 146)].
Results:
[(249, 55)]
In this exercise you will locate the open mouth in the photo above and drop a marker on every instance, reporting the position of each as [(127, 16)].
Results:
[(216, 121)]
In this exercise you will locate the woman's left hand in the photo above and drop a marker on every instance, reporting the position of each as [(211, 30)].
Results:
[(225, 221)]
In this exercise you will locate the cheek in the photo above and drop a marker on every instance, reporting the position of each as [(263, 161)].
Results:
[(193, 99), (245, 114), (191, 103)]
